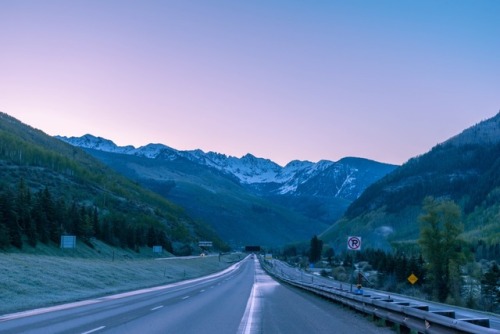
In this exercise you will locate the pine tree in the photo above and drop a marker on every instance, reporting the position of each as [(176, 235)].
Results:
[(151, 237), (56, 229), (74, 225), (51, 229), (10, 219), (315, 250), (23, 209), (4, 230), (86, 225), (4, 235), (39, 216), (95, 223), (401, 268)]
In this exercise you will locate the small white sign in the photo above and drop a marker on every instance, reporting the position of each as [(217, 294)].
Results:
[(68, 241), (354, 243), (205, 244)]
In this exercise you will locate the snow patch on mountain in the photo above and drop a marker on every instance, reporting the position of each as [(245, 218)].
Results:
[(348, 183), (151, 151), (324, 178)]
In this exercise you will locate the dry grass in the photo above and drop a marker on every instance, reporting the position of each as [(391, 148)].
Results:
[(52, 276)]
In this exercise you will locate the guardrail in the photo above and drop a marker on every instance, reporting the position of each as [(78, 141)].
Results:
[(405, 316)]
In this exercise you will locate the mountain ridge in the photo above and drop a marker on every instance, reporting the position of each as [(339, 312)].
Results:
[(249, 169), (248, 199), (464, 168), (125, 213)]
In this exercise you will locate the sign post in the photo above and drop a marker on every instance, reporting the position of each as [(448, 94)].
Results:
[(413, 279), (204, 245), (354, 243)]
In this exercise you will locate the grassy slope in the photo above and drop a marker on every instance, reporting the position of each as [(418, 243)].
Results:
[(47, 276)]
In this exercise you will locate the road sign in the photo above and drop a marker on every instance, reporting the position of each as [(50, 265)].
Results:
[(354, 243), (68, 241), (205, 243), (412, 278)]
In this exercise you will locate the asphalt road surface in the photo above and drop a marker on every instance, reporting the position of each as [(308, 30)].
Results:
[(289, 272), (242, 299)]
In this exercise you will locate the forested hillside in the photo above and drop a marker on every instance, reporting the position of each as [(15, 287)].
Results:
[(464, 169), (49, 188)]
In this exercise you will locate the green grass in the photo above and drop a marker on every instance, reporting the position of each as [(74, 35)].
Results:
[(54, 276)]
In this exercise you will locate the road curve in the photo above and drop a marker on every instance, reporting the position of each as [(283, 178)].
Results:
[(242, 299)]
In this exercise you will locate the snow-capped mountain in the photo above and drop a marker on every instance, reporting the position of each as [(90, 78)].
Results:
[(247, 199), (346, 178)]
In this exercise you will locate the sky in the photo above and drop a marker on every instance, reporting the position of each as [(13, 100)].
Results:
[(282, 80)]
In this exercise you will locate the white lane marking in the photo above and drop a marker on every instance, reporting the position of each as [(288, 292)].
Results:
[(185, 297), (29, 313), (203, 290), (94, 330), (247, 320), (156, 308), (262, 285)]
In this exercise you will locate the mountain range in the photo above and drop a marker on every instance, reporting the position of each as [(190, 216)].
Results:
[(345, 179), (251, 200), (247, 200)]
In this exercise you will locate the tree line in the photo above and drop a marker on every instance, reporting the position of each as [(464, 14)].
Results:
[(27, 218), (447, 267)]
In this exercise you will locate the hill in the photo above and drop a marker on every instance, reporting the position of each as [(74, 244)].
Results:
[(49, 188), (247, 200), (465, 169), (238, 216)]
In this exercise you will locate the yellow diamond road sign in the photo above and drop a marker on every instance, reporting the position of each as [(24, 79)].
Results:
[(412, 278)]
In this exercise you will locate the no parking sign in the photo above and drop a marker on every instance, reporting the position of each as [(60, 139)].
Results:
[(354, 243)]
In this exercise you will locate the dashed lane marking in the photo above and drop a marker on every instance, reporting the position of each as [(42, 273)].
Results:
[(156, 308), (94, 330)]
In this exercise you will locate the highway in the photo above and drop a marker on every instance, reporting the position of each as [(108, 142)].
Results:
[(242, 299)]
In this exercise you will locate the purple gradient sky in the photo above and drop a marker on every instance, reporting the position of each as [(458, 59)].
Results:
[(283, 80)]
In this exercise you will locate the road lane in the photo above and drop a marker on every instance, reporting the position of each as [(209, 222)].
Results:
[(280, 308), (243, 300), (193, 304), (216, 308)]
